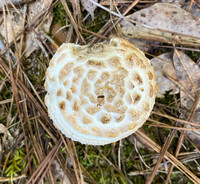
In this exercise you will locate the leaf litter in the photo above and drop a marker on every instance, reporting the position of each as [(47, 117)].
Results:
[(163, 22), (15, 2), (158, 29), (188, 75), (163, 66), (90, 7), (15, 21)]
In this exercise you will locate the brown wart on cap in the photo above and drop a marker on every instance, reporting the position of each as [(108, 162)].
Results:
[(101, 93)]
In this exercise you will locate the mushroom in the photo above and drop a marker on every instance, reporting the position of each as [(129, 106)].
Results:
[(99, 94)]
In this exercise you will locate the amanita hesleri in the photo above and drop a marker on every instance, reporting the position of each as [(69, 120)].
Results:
[(99, 94)]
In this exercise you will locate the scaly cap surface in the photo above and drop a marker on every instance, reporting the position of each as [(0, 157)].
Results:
[(101, 93)]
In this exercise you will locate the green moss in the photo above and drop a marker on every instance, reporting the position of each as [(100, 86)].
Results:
[(193, 55), (6, 92), (59, 15), (95, 25), (102, 171), (96, 164), (167, 100), (138, 180), (1, 76), (16, 163)]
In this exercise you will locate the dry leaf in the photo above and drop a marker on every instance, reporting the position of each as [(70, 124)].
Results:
[(90, 7), (3, 129), (194, 135), (15, 2), (168, 17), (163, 66), (163, 22), (35, 10), (59, 174), (15, 24), (188, 74), (9, 139)]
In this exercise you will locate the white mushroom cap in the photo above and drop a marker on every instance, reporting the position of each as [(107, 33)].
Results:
[(101, 93)]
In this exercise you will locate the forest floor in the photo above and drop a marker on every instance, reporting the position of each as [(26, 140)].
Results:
[(166, 149)]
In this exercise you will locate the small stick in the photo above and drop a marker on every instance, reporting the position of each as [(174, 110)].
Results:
[(8, 179)]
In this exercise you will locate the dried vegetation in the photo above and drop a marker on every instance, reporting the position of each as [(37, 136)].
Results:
[(164, 150)]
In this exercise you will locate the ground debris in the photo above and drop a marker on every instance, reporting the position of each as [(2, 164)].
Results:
[(15, 22), (15, 2), (32, 41), (10, 138), (163, 66), (163, 22), (90, 7), (188, 75), (132, 159), (59, 175)]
